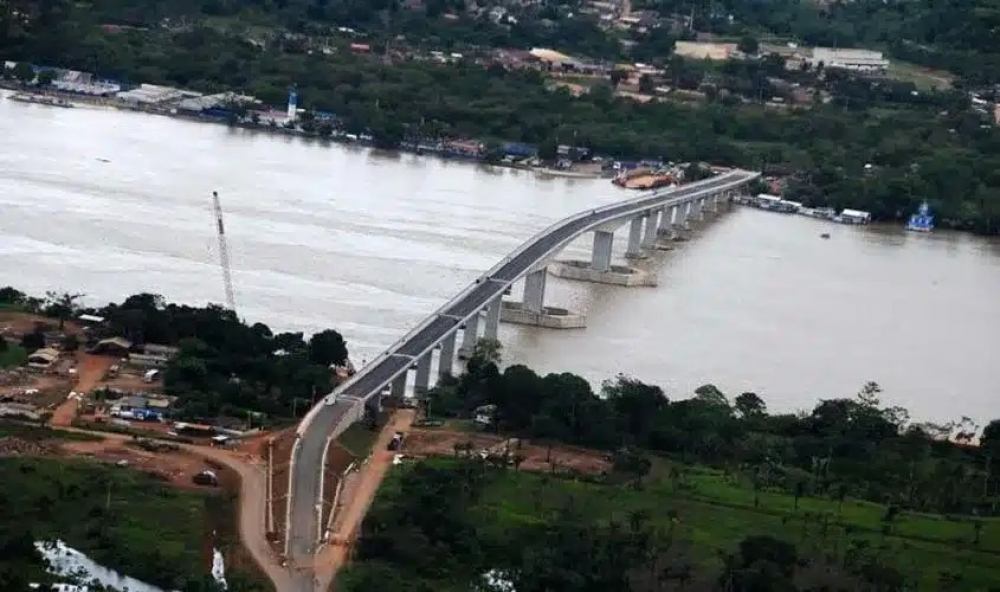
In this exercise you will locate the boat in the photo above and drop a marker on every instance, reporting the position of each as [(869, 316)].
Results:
[(825, 235), (922, 221), (42, 100)]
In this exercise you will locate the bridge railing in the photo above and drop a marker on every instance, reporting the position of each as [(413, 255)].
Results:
[(739, 178)]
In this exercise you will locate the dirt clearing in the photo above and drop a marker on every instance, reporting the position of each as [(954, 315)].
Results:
[(177, 467), (537, 457)]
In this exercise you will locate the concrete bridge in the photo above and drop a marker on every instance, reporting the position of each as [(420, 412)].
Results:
[(650, 216)]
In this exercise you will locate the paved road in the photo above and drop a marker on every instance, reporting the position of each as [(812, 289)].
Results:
[(370, 380)]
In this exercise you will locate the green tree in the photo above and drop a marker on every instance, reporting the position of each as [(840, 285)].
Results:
[(749, 406), (548, 150), (23, 72), (45, 77), (328, 347), (748, 45), (61, 305)]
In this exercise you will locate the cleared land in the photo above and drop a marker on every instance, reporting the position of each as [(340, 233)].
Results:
[(430, 442)]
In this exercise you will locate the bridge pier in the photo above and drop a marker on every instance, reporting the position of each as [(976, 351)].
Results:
[(491, 329), (669, 228), (599, 269), (532, 310), (446, 361), (600, 258), (423, 380), (652, 222), (635, 239), (374, 404), (398, 387), (469, 336), (679, 222)]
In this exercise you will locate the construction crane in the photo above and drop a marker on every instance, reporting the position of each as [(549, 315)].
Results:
[(227, 277)]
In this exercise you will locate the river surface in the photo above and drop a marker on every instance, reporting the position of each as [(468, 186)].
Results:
[(111, 203)]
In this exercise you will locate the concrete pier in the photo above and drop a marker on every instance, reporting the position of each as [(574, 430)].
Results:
[(532, 311), (398, 387), (635, 239), (549, 317), (534, 289), (423, 381), (652, 221), (491, 328), (616, 275), (679, 224), (446, 363), (600, 259), (469, 336)]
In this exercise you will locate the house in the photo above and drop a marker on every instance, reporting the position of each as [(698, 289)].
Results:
[(153, 356), (113, 346), (43, 358), (700, 50)]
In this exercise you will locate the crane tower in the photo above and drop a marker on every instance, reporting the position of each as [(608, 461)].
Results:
[(224, 253)]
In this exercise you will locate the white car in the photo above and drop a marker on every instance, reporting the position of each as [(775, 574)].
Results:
[(329, 400)]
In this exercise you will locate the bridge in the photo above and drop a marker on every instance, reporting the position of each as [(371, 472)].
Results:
[(650, 216)]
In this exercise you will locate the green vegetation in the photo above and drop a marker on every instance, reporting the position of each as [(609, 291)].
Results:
[(35, 433), (440, 525), (843, 447), (359, 439), (125, 520), (12, 356), (224, 366), (849, 496), (959, 37)]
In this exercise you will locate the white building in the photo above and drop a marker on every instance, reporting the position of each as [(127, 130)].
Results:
[(857, 60)]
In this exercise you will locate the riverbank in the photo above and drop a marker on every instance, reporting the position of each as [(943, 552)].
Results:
[(64, 99)]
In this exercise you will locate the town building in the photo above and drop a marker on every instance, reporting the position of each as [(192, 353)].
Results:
[(856, 60), (701, 50)]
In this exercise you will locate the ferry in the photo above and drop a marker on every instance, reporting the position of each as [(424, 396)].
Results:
[(922, 221), (42, 100)]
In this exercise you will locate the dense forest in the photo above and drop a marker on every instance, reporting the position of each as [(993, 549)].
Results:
[(955, 36), (879, 146), (704, 493), (843, 447)]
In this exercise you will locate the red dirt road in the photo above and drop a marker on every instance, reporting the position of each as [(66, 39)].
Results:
[(359, 498), (90, 371)]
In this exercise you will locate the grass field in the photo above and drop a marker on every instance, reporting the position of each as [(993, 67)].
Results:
[(358, 439), (924, 78), (121, 518), (714, 512), (34, 433), (13, 356)]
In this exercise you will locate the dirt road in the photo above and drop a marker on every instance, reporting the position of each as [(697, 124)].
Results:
[(90, 371), (361, 495), (252, 503)]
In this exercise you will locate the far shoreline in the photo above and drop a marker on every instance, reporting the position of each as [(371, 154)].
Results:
[(88, 102)]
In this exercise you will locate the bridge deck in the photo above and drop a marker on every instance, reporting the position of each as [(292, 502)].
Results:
[(370, 380)]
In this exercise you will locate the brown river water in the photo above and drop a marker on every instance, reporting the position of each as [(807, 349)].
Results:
[(110, 203)]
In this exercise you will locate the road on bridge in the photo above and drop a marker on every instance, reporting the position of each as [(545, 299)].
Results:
[(303, 522)]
